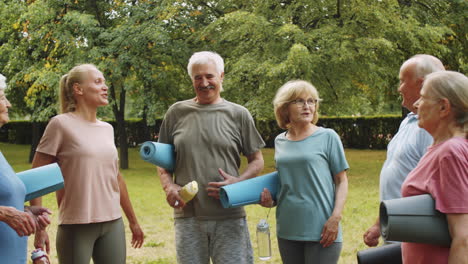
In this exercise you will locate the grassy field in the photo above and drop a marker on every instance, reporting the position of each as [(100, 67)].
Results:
[(155, 215)]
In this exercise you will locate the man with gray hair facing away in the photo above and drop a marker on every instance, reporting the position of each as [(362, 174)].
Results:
[(209, 133), (410, 142)]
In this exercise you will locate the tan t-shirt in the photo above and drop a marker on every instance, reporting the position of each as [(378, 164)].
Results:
[(88, 159)]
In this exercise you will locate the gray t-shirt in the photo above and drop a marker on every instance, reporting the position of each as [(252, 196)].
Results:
[(208, 137)]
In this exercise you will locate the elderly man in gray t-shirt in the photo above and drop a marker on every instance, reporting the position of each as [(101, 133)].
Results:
[(209, 134)]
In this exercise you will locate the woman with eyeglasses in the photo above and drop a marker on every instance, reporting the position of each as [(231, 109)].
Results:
[(312, 166)]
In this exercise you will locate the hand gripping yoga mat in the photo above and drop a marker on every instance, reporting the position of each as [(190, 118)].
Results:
[(413, 219), (388, 254), (159, 154), (248, 191), (41, 180)]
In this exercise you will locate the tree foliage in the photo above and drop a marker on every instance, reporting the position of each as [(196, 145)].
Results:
[(351, 50)]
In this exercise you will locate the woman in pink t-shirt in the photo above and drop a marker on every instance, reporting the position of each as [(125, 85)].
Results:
[(90, 219), (443, 170)]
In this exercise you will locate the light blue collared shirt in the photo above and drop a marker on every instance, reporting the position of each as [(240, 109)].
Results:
[(403, 154)]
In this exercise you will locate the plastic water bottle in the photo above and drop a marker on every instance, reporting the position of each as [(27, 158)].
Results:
[(38, 256), (263, 240)]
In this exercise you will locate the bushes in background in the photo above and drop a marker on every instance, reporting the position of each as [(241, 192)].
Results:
[(372, 132)]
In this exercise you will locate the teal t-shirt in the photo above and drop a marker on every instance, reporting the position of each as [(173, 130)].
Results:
[(306, 196)]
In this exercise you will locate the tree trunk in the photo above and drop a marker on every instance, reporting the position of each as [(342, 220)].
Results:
[(146, 130), (123, 144), (36, 137), (119, 114)]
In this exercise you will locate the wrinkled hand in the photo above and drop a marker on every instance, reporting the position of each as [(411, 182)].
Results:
[(22, 222), (372, 235), (213, 187), (41, 216), (138, 237), (172, 196), (330, 231), (265, 199), (41, 240)]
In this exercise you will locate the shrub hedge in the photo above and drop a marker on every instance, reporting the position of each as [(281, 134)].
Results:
[(372, 132)]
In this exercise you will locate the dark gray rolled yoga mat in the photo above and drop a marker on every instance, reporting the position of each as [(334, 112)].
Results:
[(388, 254), (414, 219)]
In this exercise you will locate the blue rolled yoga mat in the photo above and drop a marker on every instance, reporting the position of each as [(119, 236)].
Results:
[(248, 191), (41, 180), (159, 154), (414, 219)]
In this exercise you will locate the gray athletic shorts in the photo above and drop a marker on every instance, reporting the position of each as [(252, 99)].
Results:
[(298, 252), (224, 241), (104, 242)]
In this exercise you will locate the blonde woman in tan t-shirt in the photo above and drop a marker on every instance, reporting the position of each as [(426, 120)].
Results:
[(90, 220)]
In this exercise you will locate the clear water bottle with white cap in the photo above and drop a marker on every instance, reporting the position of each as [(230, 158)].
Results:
[(38, 256), (263, 240)]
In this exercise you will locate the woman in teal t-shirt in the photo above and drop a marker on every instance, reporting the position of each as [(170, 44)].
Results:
[(312, 168)]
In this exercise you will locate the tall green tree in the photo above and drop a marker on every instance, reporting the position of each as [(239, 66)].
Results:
[(125, 39), (350, 50)]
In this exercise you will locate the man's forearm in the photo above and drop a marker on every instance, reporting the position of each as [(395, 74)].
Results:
[(165, 178), (254, 167)]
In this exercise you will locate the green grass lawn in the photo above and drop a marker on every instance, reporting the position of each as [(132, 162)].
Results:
[(155, 215)]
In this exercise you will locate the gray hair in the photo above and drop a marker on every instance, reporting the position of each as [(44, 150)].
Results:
[(3, 84), (424, 64), (454, 87), (204, 57)]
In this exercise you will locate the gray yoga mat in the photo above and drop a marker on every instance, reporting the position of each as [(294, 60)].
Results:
[(413, 219), (388, 254)]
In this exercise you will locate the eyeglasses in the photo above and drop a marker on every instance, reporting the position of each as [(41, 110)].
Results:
[(301, 102)]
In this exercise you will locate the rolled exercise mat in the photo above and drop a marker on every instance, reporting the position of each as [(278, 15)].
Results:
[(159, 154), (248, 191), (413, 219), (388, 254), (41, 180)]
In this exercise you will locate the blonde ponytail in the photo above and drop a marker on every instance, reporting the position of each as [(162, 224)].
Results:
[(76, 75)]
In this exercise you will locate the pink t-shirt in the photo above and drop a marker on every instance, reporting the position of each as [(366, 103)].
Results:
[(88, 159), (443, 173)]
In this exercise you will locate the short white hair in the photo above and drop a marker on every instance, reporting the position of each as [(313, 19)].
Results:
[(204, 57), (424, 64), (453, 86), (2, 82)]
